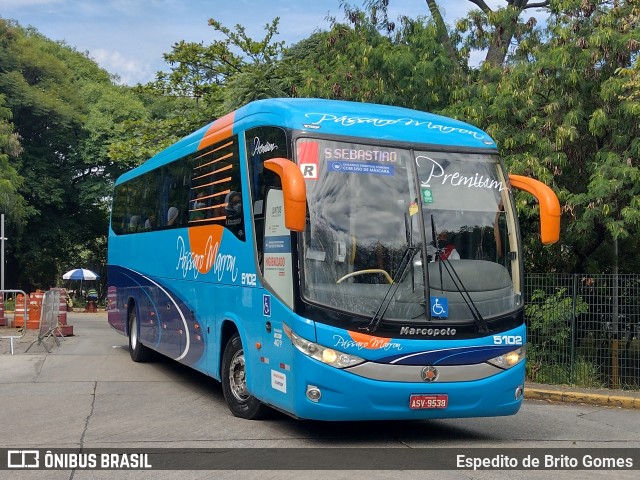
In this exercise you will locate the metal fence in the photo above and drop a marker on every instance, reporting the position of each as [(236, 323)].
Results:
[(583, 330), (9, 329), (49, 315)]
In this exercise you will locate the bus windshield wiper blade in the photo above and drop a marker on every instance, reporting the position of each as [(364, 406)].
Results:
[(434, 240), (408, 233), (457, 282), (464, 293), (393, 288)]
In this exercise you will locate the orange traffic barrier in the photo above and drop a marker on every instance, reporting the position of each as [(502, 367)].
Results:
[(35, 310), (20, 313), (3, 319)]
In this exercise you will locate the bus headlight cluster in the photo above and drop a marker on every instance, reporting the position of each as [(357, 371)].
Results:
[(326, 355), (509, 359)]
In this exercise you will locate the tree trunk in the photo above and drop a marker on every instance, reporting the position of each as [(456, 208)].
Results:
[(443, 34), (503, 34)]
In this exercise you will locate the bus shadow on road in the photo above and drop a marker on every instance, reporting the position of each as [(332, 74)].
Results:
[(331, 434), (375, 433)]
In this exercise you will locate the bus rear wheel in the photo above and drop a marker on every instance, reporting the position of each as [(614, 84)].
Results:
[(138, 352), (234, 382)]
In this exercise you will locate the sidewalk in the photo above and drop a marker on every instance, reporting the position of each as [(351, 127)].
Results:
[(629, 399), (591, 396)]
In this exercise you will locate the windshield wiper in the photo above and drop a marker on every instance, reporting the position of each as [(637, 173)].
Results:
[(407, 258), (457, 282), (408, 233)]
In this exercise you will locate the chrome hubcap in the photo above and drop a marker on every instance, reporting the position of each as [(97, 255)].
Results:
[(237, 377)]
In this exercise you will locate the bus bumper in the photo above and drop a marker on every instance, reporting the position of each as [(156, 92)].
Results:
[(345, 396)]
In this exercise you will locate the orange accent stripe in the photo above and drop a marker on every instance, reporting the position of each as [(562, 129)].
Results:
[(205, 240), (210, 196), (227, 179), (228, 167), (368, 341), (202, 220), (214, 150), (212, 207), (218, 131), (213, 161)]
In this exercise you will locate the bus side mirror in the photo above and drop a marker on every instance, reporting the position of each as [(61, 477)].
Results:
[(294, 192), (549, 206)]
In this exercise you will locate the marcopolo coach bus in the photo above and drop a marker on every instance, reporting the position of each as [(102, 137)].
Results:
[(331, 260)]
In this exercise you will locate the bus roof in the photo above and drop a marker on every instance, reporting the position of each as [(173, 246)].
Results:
[(328, 117)]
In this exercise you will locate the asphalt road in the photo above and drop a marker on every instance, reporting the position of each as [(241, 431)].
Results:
[(87, 394)]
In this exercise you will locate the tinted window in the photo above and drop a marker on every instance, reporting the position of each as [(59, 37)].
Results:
[(262, 144), (199, 189)]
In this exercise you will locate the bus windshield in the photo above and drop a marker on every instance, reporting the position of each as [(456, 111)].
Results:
[(431, 235)]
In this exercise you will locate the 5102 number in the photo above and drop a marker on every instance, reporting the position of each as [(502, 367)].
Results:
[(507, 340)]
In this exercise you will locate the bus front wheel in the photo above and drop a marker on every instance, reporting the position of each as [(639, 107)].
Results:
[(234, 382), (138, 352)]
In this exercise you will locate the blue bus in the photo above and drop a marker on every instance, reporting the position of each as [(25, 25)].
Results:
[(331, 260)]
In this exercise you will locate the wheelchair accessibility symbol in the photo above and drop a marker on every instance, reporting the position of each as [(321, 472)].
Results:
[(439, 307), (266, 305)]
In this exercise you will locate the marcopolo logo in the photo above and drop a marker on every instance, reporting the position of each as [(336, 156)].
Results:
[(429, 332)]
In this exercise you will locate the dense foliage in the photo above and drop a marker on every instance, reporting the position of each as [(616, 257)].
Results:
[(562, 99), (59, 114)]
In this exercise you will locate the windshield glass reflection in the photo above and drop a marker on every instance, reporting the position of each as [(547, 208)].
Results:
[(370, 205)]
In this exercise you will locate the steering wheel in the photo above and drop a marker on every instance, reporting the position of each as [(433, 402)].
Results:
[(369, 270)]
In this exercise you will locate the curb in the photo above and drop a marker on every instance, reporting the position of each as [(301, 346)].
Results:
[(579, 397)]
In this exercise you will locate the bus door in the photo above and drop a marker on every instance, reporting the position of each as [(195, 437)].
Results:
[(277, 303)]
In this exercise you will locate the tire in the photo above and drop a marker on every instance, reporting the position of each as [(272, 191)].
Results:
[(138, 352), (234, 383)]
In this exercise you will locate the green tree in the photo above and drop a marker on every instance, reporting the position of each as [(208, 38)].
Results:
[(373, 60), (47, 117), (225, 74), (65, 110), (204, 82), (12, 204), (492, 30), (496, 29), (562, 111)]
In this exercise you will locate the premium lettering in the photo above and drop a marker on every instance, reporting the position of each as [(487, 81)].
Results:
[(437, 175)]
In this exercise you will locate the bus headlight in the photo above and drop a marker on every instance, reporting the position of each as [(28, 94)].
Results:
[(509, 359), (323, 354)]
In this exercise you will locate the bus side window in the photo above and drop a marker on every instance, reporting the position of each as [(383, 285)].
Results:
[(263, 143), (269, 180), (235, 214)]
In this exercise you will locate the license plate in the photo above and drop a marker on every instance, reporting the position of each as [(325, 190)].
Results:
[(421, 402)]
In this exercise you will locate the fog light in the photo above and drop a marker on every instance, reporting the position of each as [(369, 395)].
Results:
[(313, 393), (519, 392)]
